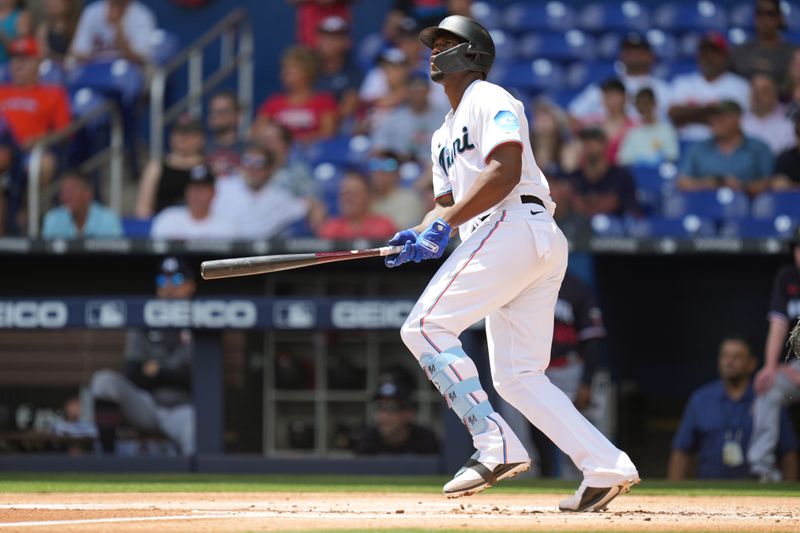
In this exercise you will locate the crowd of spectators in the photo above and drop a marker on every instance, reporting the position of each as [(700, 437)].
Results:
[(730, 121)]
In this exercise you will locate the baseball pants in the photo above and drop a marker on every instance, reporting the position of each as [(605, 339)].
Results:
[(510, 271), (141, 411)]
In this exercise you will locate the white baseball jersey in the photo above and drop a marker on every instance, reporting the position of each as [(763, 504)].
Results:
[(486, 117)]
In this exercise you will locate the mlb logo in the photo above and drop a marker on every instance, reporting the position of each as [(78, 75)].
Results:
[(106, 314), (300, 314)]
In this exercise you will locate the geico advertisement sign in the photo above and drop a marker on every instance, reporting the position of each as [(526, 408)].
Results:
[(348, 314), (200, 313), (42, 314)]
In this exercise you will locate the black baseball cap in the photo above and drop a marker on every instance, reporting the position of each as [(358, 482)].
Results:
[(592, 132), (175, 265), (394, 391), (726, 106), (200, 175), (635, 40)]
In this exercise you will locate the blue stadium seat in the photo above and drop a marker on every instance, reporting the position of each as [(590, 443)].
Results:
[(487, 13), (792, 37), (702, 15), (341, 150), (573, 45), (564, 96), (742, 15), (506, 47), (166, 45), (368, 49), (537, 75), (580, 74), (608, 226), (136, 228), (791, 12), (51, 73), (685, 227), (653, 183), (539, 16), (664, 45), (329, 176), (721, 204), (670, 69), (118, 78), (772, 204), (750, 228), (737, 35), (614, 16), (84, 100), (608, 45)]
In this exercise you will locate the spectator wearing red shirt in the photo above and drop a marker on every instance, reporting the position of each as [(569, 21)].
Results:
[(311, 12), (308, 114), (32, 109), (357, 219)]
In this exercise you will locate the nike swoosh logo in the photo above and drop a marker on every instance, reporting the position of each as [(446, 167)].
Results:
[(536, 212)]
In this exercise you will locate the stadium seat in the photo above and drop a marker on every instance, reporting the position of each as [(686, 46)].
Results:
[(737, 35), (721, 204), (653, 183), (368, 49), (702, 15), (669, 69), (116, 78), (539, 16), (751, 228), (614, 16), (742, 15), (136, 228), (329, 176), (51, 73), (579, 75), (608, 226), (537, 75), (791, 12), (506, 47), (664, 45), (165, 46), (573, 45), (341, 150), (85, 100), (768, 205), (487, 13), (685, 227)]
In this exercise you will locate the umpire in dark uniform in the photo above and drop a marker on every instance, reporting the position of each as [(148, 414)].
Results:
[(154, 393)]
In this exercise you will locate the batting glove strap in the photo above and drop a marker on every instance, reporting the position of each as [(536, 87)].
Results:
[(407, 238), (432, 242)]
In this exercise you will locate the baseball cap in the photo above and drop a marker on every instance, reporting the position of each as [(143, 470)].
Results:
[(408, 26), (334, 24), (24, 47), (394, 391), (635, 40), (714, 39), (175, 265), (200, 175), (726, 106)]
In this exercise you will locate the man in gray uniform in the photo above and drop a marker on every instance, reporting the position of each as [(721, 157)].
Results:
[(154, 393), (777, 384)]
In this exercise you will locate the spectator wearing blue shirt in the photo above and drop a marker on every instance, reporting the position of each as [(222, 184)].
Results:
[(729, 158), (718, 421), (79, 215)]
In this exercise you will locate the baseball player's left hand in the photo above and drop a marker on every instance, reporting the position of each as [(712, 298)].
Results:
[(432, 242), (407, 238)]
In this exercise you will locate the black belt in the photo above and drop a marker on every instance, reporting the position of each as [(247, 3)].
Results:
[(525, 199)]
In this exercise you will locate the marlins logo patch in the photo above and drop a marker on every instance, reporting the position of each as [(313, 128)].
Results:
[(506, 121)]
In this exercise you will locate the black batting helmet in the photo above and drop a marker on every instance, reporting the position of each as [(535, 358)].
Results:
[(476, 53)]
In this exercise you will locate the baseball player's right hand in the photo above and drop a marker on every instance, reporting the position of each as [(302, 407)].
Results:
[(407, 238)]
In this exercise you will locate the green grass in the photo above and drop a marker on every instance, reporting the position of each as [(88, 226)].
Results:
[(81, 482)]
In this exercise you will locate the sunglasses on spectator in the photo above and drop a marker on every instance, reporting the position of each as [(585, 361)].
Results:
[(386, 165), (767, 12), (175, 280), (254, 161)]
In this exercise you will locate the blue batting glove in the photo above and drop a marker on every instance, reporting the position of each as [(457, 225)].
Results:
[(407, 237), (432, 242)]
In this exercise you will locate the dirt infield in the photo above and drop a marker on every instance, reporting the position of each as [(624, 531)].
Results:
[(226, 512)]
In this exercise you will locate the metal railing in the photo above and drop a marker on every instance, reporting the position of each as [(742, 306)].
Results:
[(232, 59), (113, 154)]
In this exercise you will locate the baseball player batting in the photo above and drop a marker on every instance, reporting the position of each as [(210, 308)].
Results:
[(507, 269)]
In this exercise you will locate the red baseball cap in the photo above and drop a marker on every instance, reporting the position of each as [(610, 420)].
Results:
[(716, 40), (25, 46)]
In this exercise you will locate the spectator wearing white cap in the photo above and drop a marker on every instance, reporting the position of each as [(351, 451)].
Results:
[(339, 74)]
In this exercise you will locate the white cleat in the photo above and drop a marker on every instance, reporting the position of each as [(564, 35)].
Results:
[(593, 499), (474, 477)]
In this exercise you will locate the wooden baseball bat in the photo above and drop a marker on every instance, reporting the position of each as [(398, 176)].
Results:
[(263, 264)]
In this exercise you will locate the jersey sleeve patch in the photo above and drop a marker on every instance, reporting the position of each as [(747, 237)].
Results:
[(506, 121)]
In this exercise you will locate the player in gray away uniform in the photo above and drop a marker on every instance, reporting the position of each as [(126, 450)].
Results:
[(508, 269), (777, 385), (154, 394)]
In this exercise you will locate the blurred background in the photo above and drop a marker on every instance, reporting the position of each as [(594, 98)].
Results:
[(141, 137)]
